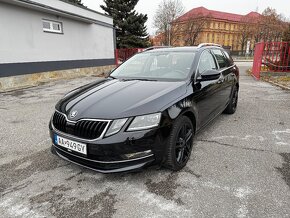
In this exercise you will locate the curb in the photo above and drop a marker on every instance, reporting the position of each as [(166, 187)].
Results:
[(277, 84), (21, 88), (243, 60)]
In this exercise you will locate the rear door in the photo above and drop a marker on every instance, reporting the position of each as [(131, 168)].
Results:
[(226, 80)]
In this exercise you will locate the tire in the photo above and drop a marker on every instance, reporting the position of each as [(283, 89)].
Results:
[(180, 144), (232, 106)]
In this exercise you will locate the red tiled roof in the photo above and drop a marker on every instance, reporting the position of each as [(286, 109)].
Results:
[(202, 11), (253, 14)]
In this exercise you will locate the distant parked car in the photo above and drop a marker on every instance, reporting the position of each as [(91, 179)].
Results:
[(147, 111)]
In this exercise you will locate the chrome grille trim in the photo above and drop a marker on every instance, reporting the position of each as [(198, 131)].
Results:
[(75, 122)]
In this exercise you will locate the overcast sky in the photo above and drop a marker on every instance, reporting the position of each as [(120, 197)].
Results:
[(233, 6)]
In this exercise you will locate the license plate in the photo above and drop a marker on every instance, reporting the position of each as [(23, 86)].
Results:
[(70, 144)]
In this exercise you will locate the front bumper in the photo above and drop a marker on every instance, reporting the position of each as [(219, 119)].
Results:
[(125, 151)]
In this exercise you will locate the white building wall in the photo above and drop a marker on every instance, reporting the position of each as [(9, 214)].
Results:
[(22, 38)]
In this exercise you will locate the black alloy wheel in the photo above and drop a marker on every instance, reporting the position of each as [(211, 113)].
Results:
[(183, 145), (232, 106), (180, 144), (235, 99)]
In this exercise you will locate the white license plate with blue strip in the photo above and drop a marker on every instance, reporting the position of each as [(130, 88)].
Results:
[(70, 144)]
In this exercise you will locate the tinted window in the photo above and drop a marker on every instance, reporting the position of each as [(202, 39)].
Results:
[(230, 60), (221, 59), (157, 65), (206, 62)]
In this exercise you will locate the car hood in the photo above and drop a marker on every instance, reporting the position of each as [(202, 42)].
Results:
[(111, 99)]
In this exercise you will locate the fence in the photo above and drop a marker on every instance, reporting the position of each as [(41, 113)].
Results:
[(123, 54), (271, 57)]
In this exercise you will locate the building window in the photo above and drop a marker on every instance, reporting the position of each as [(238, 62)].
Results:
[(208, 25), (52, 26)]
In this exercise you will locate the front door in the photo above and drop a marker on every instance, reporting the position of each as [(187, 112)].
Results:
[(208, 93)]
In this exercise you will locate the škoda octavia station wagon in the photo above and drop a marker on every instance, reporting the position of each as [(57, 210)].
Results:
[(147, 111)]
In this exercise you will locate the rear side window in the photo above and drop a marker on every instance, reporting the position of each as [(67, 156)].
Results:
[(221, 58)]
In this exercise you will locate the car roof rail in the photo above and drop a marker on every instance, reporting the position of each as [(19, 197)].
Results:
[(208, 44), (156, 47)]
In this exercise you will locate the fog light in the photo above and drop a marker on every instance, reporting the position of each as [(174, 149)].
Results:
[(137, 154)]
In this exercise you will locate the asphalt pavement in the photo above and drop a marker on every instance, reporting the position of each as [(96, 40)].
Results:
[(240, 166)]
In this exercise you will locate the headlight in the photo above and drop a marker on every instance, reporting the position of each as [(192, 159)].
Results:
[(145, 122), (116, 126)]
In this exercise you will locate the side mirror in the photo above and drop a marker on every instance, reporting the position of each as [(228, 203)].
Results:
[(208, 75)]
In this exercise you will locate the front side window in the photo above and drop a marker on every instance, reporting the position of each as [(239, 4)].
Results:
[(163, 65), (221, 59), (206, 62), (229, 58)]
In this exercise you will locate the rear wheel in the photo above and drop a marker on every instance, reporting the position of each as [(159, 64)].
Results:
[(232, 106), (180, 144)]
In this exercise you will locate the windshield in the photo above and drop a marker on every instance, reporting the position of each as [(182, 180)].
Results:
[(167, 65)]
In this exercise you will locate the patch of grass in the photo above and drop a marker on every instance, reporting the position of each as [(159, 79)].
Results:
[(282, 80), (285, 78), (249, 72)]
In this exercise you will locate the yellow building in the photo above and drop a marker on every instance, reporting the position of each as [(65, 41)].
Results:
[(202, 25)]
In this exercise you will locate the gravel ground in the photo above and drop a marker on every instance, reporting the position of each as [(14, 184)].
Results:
[(240, 166)]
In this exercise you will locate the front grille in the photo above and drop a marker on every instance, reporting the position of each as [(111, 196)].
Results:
[(86, 129)]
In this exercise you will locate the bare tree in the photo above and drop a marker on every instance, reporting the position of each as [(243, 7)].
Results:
[(193, 26), (286, 34), (167, 12), (272, 25), (257, 31), (246, 31)]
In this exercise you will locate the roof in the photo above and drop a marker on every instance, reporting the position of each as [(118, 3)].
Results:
[(204, 12), (64, 9), (181, 49), (168, 49)]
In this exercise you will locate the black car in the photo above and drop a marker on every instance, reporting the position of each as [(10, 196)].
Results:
[(147, 111)]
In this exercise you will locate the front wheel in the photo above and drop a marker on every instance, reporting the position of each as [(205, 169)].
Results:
[(180, 144), (232, 106)]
